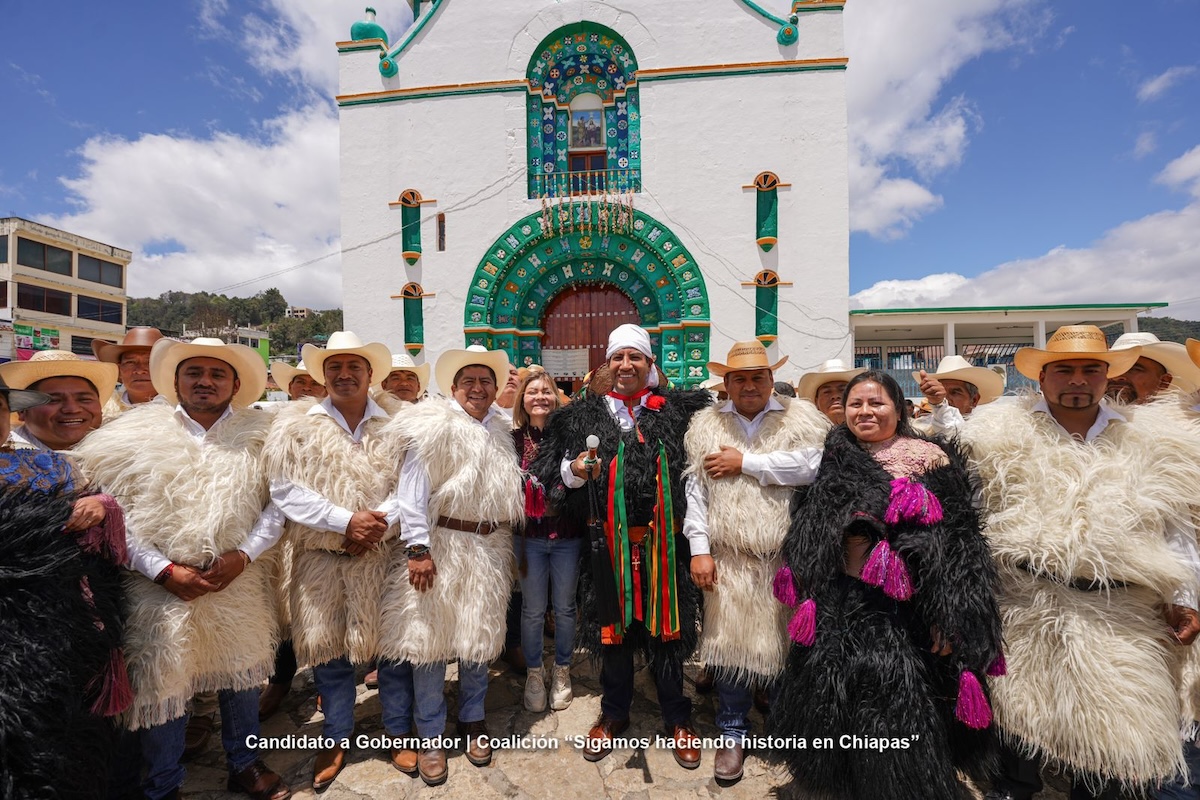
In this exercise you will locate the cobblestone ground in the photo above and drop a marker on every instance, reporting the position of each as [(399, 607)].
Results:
[(519, 774)]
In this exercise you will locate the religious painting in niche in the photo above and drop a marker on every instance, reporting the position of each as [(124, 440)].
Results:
[(587, 129)]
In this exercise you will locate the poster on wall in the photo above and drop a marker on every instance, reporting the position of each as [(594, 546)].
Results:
[(571, 363), (28, 339)]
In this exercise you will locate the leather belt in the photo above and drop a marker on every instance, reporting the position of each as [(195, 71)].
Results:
[(482, 528), (1079, 584)]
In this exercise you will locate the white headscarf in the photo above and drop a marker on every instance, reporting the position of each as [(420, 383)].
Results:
[(635, 336)]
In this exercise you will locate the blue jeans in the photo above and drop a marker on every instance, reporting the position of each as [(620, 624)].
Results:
[(336, 682), (162, 745), (415, 693), (1177, 789), (733, 708), (552, 567)]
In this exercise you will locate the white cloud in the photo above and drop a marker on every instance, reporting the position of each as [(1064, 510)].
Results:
[(238, 207), (1183, 172), (1147, 143), (1152, 259), (902, 133), (232, 207), (1156, 87), (294, 39)]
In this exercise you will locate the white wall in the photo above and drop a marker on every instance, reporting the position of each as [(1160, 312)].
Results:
[(703, 139)]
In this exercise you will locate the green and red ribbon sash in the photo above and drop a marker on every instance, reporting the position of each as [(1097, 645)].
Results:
[(663, 611)]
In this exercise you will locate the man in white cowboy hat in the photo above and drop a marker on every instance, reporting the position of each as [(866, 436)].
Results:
[(333, 474), (460, 495), (132, 357), (1160, 366), (640, 458), (407, 379), (1097, 561), (298, 384), (744, 457), (78, 390), (1182, 414), (189, 475), (954, 390), (825, 386), (296, 381)]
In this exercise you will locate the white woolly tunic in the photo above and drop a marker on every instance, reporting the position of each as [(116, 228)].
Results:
[(189, 499), (745, 630), (1092, 674), (332, 599), (473, 476)]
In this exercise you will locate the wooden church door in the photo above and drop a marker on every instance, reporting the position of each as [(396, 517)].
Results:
[(576, 325)]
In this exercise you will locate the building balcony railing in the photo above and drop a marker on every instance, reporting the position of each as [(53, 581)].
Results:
[(587, 183)]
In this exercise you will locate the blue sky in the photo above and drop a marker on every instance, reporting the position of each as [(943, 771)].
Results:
[(1003, 151)]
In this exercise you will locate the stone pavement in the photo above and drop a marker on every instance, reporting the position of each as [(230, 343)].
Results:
[(514, 773)]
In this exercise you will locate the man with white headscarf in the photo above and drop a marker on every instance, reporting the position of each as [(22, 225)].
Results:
[(638, 467)]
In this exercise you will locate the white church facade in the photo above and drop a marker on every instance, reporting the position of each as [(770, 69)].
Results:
[(527, 175)]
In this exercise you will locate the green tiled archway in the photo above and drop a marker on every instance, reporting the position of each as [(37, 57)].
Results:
[(526, 268)]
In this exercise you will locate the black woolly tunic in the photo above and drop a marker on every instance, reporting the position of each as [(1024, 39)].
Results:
[(566, 436), (869, 679)]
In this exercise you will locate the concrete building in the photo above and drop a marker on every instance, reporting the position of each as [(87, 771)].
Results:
[(529, 179), (60, 290), (902, 340), (254, 338)]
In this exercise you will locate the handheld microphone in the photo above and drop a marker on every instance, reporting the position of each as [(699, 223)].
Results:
[(593, 442)]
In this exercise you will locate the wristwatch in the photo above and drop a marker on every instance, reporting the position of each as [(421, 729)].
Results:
[(416, 550)]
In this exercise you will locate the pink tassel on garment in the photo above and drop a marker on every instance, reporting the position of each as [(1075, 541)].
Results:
[(972, 708), (784, 587), (896, 583), (116, 693), (998, 668), (535, 499), (875, 570), (107, 538), (803, 625), (912, 502), (886, 569)]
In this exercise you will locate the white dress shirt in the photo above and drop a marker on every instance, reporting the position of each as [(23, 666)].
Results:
[(1180, 538), (943, 420), (21, 437), (147, 559), (414, 487), (780, 468), (311, 509)]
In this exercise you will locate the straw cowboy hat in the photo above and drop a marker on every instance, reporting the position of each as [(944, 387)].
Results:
[(403, 362), (347, 343), (451, 361), (168, 354), (21, 399), (59, 364), (1172, 355), (283, 373), (956, 368), (140, 338), (1075, 342), (745, 356), (832, 370), (1193, 350)]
